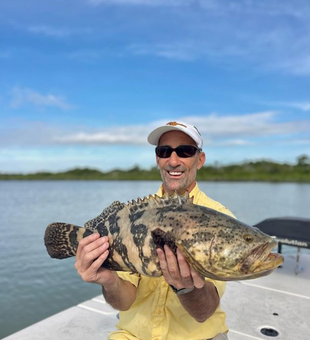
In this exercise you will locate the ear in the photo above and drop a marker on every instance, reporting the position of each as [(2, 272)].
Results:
[(201, 159)]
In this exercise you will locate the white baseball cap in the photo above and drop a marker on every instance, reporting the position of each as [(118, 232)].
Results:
[(190, 130)]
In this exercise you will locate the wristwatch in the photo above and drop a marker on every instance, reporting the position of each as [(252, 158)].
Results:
[(182, 291)]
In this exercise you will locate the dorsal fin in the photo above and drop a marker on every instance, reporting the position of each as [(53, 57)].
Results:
[(140, 204), (181, 198), (157, 201), (115, 207)]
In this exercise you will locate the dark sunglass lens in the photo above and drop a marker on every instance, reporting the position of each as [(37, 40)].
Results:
[(163, 151), (186, 151), (183, 151)]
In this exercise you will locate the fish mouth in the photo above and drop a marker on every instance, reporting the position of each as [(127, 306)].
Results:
[(261, 260)]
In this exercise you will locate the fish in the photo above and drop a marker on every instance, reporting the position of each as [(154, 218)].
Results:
[(216, 245)]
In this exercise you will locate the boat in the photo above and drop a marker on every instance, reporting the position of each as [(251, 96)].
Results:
[(271, 307), (290, 231)]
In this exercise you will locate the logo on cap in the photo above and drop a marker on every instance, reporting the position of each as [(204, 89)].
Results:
[(175, 124)]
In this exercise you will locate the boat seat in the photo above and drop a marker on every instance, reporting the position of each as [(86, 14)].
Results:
[(291, 231)]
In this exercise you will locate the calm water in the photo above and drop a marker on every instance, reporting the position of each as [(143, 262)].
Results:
[(34, 286)]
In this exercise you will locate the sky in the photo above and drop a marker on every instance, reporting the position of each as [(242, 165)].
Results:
[(83, 82)]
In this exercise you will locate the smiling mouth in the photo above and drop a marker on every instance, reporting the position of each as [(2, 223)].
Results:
[(175, 173)]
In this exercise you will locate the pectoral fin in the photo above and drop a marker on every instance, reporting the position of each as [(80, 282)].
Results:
[(161, 238)]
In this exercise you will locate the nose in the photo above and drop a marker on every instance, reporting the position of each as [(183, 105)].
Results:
[(174, 159)]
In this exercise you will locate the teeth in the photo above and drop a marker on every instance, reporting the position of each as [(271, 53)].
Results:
[(174, 173)]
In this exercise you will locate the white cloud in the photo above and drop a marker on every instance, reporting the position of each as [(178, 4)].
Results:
[(303, 106), (280, 44), (24, 96), (217, 130), (236, 142), (301, 142), (124, 135), (223, 135), (261, 124), (229, 130)]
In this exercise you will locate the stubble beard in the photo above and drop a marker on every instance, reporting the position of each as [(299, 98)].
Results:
[(179, 185)]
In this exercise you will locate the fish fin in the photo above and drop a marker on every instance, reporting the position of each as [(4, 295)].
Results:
[(181, 198), (62, 239), (161, 238), (112, 209), (156, 201)]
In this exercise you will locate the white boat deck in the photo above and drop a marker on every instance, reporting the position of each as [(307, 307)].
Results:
[(279, 302)]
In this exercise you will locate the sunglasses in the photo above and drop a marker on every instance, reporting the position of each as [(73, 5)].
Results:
[(183, 151)]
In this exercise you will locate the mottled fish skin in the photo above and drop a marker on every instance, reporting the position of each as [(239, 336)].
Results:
[(216, 245)]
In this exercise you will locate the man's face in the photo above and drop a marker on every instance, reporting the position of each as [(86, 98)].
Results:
[(178, 174)]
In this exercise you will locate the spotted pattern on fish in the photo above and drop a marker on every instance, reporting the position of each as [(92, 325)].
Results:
[(102, 229), (214, 244), (108, 212), (139, 233), (119, 249)]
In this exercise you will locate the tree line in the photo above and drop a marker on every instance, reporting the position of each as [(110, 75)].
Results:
[(246, 171)]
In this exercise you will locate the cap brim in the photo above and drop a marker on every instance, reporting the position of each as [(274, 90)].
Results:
[(155, 135)]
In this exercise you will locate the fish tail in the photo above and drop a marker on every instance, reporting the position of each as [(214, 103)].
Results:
[(62, 239)]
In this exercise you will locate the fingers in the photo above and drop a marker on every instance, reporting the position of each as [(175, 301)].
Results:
[(162, 260), (164, 266), (177, 271), (172, 263), (86, 241), (168, 262), (91, 248), (92, 252), (198, 280), (190, 276), (185, 270), (96, 264)]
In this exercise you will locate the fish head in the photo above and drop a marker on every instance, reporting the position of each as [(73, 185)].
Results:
[(234, 252)]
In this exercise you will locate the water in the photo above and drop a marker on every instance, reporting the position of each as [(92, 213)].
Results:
[(34, 286)]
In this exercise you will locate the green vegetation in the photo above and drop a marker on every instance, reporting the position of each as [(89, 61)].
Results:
[(247, 171)]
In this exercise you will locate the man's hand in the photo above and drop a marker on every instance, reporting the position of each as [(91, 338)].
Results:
[(176, 270), (200, 303), (92, 251)]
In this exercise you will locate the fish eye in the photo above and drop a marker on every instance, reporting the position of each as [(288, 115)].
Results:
[(248, 238)]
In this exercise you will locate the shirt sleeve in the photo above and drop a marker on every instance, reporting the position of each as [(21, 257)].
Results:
[(131, 277), (202, 199), (219, 285), (219, 207)]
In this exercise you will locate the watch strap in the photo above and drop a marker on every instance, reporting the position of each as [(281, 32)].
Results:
[(182, 291)]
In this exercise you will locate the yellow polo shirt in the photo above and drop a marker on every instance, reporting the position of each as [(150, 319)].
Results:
[(157, 313)]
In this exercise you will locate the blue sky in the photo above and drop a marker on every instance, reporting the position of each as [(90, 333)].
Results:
[(83, 82)]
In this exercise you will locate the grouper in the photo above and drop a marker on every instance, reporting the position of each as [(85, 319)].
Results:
[(216, 245)]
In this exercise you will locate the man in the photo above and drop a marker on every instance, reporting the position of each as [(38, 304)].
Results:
[(181, 304)]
